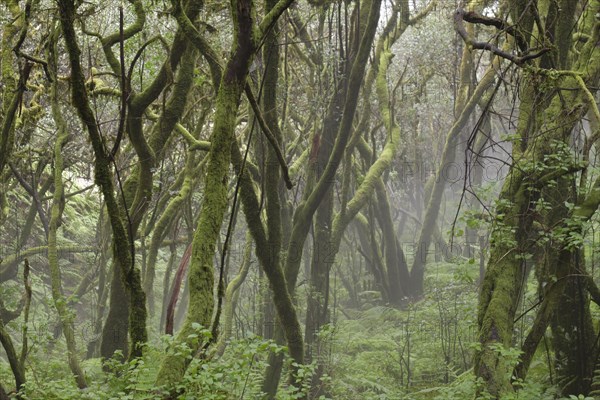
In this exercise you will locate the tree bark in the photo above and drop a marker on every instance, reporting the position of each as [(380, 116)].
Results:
[(122, 242), (214, 204), (546, 121)]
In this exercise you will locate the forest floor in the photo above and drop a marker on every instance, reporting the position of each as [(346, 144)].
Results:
[(423, 351)]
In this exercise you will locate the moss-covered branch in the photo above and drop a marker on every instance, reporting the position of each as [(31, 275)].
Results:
[(9, 265), (109, 41), (231, 294), (215, 201), (196, 38)]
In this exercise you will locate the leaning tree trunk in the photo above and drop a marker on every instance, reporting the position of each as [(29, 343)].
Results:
[(307, 208), (233, 82), (103, 178), (435, 198)]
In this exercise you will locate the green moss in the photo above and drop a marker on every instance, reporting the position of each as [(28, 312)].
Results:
[(103, 178), (212, 211)]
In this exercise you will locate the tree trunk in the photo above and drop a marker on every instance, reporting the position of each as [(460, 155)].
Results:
[(435, 198), (123, 254), (546, 120), (214, 204)]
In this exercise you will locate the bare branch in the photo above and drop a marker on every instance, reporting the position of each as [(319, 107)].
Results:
[(459, 17)]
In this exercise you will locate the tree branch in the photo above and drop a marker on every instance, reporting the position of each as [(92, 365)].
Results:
[(270, 137), (459, 17)]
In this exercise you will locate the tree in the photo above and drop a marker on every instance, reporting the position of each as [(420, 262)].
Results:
[(142, 143), (247, 38), (534, 193)]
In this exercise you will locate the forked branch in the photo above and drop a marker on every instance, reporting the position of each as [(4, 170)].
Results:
[(461, 15)]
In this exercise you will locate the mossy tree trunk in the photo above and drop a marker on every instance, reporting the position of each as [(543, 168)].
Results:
[(103, 178), (149, 148), (10, 92), (247, 37), (502, 284), (534, 194)]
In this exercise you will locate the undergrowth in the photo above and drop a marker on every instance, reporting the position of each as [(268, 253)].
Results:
[(421, 352)]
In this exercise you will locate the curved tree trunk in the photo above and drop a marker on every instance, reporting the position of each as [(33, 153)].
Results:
[(214, 204), (103, 178), (434, 202)]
